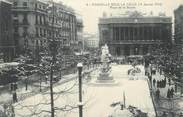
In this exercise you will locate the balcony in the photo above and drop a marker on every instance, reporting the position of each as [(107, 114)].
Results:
[(135, 42), (66, 45), (24, 23), (22, 8)]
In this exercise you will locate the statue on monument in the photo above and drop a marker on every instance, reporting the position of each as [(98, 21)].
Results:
[(105, 69), (105, 59)]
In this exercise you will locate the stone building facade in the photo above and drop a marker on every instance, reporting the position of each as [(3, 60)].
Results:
[(135, 34), (178, 13), (80, 33), (65, 26), (7, 46), (33, 25)]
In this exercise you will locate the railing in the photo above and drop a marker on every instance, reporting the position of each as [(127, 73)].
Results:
[(152, 97), (135, 41), (25, 23)]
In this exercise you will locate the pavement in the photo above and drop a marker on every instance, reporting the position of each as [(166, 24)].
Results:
[(172, 107), (33, 89), (96, 98)]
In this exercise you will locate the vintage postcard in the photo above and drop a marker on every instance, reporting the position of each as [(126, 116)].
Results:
[(91, 58)]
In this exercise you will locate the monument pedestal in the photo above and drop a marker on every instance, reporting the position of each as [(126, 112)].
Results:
[(105, 70), (104, 77)]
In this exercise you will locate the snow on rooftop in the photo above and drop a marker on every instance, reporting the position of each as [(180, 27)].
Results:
[(9, 64)]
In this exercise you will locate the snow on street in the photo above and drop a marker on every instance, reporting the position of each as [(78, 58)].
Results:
[(97, 99)]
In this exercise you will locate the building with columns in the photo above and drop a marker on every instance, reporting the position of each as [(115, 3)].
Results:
[(178, 13), (135, 34)]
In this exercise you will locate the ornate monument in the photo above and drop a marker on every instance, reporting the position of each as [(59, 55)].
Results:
[(133, 72), (105, 70)]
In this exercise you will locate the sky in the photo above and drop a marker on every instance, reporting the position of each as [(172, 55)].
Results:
[(91, 10)]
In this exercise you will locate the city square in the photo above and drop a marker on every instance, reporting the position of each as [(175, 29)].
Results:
[(124, 59), (97, 98)]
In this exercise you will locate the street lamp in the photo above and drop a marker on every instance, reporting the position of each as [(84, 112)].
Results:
[(80, 66), (40, 65)]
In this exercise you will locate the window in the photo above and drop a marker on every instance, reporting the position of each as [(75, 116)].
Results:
[(15, 4), (41, 32), (15, 21), (25, 19), (24, 3), (36, 19), (44, 18), (16, 29), (25, 32), (15, 15), (37, 33), (40, 19), (41, 43), (45, 32), (40, 6)]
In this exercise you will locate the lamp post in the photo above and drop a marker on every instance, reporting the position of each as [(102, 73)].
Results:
[(80, 66), (40, 65)]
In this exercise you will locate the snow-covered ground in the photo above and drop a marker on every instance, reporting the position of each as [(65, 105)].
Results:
[(97, 99)]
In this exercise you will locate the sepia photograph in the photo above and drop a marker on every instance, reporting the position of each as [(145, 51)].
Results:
[(91, 58)]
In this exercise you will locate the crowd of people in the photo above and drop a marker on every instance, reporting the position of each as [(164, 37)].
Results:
[(167, 66), (159, 83)]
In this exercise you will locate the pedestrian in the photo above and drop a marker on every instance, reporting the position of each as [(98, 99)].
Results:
[(16, 100), (160, 83), (171, 92), (160, 71), (15, 86), (150, 78), (164, 83), (11, 86), (155, 71), (164, 114), (154, 82), (14, 97), (158, 94), (145, 73), (157, 84), (169, 81), (168, 93), (181, 115)]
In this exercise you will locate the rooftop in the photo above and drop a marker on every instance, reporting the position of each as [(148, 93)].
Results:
[(5, 1), (179, 9), (135, 17), (156, 19)]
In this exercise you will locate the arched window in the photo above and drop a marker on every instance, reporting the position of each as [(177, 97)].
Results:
[(118, 51)]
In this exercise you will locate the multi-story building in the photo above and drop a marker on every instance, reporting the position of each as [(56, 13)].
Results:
[(63, 21), (80, 33), (64, 26), (7, 47), (135, 34), (179, 28), (30, 24), (91, 41), (34, 21)]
